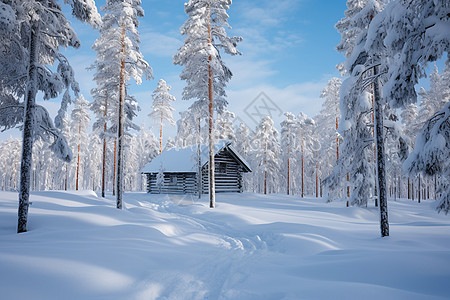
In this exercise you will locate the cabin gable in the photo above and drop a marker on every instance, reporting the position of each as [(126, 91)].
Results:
[(228, 173)]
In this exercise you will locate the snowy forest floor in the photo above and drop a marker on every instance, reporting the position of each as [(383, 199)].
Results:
[(79, 246)]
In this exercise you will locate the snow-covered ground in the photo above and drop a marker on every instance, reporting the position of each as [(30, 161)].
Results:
[(79, 246)]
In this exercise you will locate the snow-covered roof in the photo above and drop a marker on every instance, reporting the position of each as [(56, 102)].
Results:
[(183, 160), (173, 161)]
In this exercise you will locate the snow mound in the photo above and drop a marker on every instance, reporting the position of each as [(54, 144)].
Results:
[(79, 246)]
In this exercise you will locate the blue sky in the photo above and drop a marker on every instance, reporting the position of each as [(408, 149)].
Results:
[(288, 54)]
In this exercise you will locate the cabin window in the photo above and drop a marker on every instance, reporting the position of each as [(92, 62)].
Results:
[(221, 168)]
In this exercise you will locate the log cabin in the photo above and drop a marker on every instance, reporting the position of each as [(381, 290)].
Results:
[(176, 171)]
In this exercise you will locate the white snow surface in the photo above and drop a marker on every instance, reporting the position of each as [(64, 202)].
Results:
[(79, 246)]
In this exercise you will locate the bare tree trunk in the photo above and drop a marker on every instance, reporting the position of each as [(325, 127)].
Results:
[(419, 189), (317, 175), (380, 155), (337, 140), (104, 146), (212, 187), (303, 194), (265, 182), (114, 168), (160, 134), (409, 189), (435, 187), (78, 156), (288, 174), (28, 128), (120, 131), (199, 158), (265, 168)]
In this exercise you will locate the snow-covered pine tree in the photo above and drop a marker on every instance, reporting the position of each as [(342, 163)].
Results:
[(266, 155), (119, 57), (403, 38), (408, 118), (431, 155), (204, 70), (432, 101), (162, 109), (289, 145), (192, 131), (327, 125), (103, 112), (9, 164), (364, 65), (93, 162), (353, 29), (243, 145), (308, 145), (224, 126), (147, 148), (80, 123), (436, 97), (31, 34), (410, 131), (410, 34), (191, 127)]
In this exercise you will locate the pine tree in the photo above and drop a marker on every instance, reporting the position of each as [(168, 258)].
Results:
[(224, 126), (266, 155), (394, 35), (31, 34), (431, 155), (308, 145), (243, 145), (80, 122), (327, 121), (364, 70), (436, 97), (162, 110), (204, 71), (392, 41), (289, 146), (119, 57)]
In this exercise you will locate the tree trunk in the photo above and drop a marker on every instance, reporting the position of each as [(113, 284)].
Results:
[(317, 175), (337, 140), (435, 187), (104, 146), (114, 168), (265, 168), (302, 168), (419, 189), (212, 188), (288, 174), (199, 161), (160, 134), (409, 189), (380, 155), (120, 131), (78, 156), (265, 182), (28, 130)]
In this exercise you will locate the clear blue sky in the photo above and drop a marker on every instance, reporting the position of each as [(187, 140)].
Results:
[(288, 53)]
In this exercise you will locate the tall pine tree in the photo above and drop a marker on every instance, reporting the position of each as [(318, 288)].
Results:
[(204, 71)]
